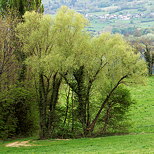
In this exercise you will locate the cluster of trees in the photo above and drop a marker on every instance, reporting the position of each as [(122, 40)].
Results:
[(17, 103), (144, 44), (58, 80), (133, 31), (143, 41)]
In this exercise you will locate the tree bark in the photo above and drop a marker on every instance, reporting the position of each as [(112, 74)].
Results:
[(42, 107), (67, 106), (72, 111), (81, 93), (53, 102)]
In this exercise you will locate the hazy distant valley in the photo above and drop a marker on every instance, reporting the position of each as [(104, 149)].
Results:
[(122, 16)]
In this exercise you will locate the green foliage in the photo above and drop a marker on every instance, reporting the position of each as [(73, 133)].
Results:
[(145, 46), (19, 115), (21, 6), (8, 121), (141, 139), (59, 52), (93, 67), (115, 115)]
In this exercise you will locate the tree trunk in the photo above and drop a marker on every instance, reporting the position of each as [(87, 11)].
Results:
[(42, 108), (81, 94), (67, 106), (106, 118), (52, 106), (72, 112)]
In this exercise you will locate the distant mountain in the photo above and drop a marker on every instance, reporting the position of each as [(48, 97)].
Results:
[(110, 15)]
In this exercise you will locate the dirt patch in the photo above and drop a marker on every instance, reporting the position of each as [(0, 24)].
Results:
[(18, 144)]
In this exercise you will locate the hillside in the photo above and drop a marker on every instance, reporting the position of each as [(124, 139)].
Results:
[(142, 113), (121, 16)]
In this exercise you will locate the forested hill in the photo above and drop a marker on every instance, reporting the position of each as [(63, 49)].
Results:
[(110, 15)]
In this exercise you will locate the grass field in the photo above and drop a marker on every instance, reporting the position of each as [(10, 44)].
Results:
[(139, 141), (142, 143), (142, 113)]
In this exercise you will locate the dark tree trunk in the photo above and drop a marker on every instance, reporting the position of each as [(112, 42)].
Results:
[(88, 103), (42, 107), (54, 99), (79, 76), (67, 106), (149, 59), (82, 90), (72, 112), (107, 117)]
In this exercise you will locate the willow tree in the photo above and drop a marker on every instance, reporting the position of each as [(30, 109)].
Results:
[(120, 66), (60, 47), (88, 64), (97, 67), (45, 45)]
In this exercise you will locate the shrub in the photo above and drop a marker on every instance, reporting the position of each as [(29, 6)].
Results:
[(115, 118), (19, 115)]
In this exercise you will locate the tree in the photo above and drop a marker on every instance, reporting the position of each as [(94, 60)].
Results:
[(85, 59), (15, 101), (8, 61), (106, 61), (145, 46), (13, 69), (39, 46), (43, 49), (21, 6), (92, 67)]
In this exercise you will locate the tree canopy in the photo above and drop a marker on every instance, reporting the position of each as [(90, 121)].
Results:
[(61, 52), (21, 6)]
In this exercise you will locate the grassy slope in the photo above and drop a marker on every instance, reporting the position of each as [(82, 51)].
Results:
[(115, 144), (143, 123), (142, 113)]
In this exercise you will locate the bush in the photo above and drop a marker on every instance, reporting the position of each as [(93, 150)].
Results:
[(19, 113), (115, 118), (8, 121)]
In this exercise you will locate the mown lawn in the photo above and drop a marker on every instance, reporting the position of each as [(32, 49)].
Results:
[(142, 113), (140, 140), (141, 143)]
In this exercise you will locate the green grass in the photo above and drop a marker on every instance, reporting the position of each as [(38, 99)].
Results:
[(142, 113), (142, 143), (140, 140)]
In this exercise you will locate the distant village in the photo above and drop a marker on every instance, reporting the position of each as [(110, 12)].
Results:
[(129, 16)]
